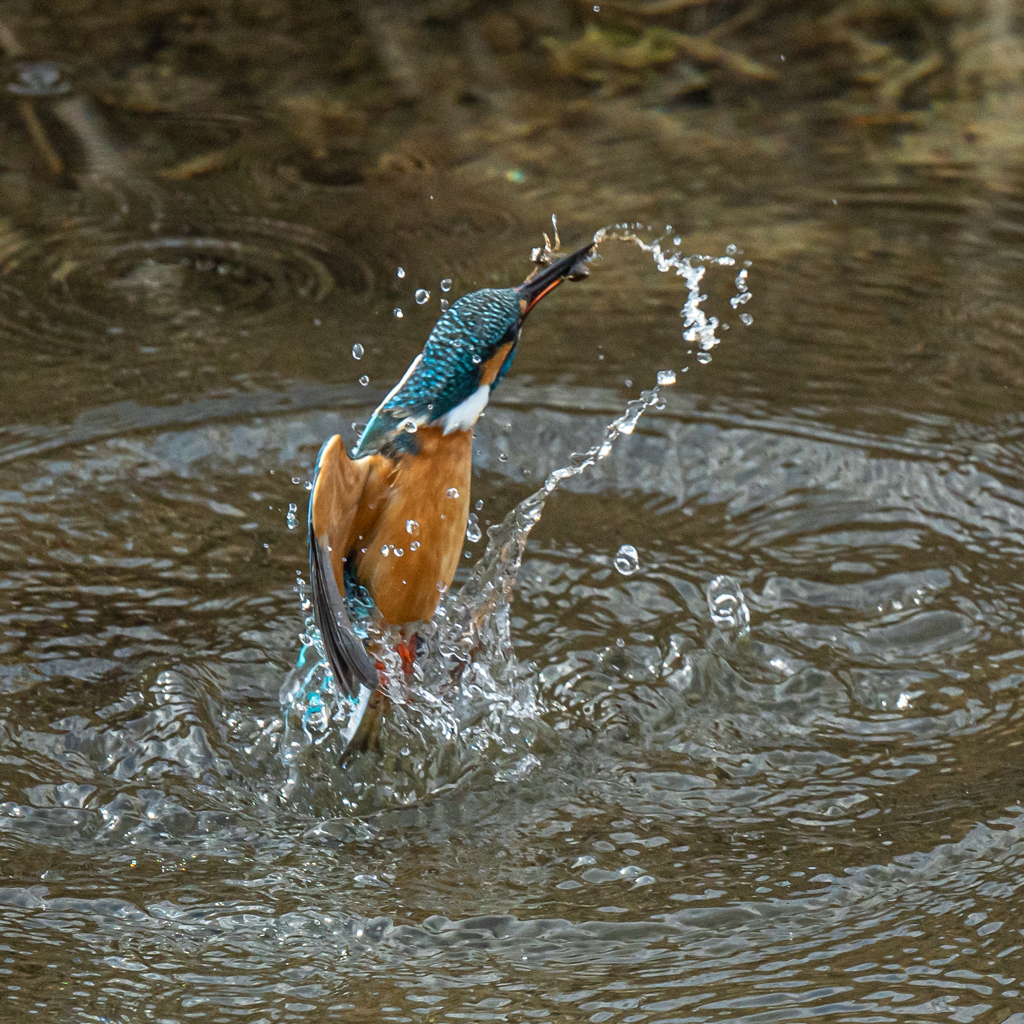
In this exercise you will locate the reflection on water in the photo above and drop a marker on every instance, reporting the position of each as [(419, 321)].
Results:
[(744, 745)]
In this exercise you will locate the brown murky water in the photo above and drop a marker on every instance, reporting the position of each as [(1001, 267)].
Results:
[(650, 813)]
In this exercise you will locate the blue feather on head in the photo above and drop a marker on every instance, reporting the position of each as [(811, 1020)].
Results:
[(447, 371), (443, 385)]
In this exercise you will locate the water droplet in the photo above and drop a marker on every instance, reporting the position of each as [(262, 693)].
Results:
[(444, 305), (677, 240), (357, 351), (292, 518), (408, 425), (411, 526), (476, 359), (730, 250), (399, 552), (364, 380), (401, 272), (422, 295), (308, 485), (414, 546), (629, 382), (704, 357), (446, 284), (442, 586), (627, 561), (452, 492), (398, 312), (727, 605), (502, 457), (479, 504), (666, 377), (384, 551), (296, 480), (746, 318), (473, 531)]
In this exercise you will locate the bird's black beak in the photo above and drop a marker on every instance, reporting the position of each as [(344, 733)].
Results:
[(538, 284)]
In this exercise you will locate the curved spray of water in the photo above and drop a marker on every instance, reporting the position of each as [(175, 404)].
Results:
[(468, 696)]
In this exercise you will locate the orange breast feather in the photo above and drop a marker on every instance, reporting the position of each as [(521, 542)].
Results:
[(416, 504)]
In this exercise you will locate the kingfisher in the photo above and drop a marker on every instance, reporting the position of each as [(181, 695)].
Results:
[(386, 523)]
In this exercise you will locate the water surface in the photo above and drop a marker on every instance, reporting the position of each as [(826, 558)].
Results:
[(647, 815)]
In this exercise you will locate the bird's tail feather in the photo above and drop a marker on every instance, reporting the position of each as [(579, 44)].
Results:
[(354, 670)]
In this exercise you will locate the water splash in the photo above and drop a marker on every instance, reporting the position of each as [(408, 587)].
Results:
[(728, 606), (627, 561), (472, 626), (305, 692), (742, 295), (468, 705), (699, 328)]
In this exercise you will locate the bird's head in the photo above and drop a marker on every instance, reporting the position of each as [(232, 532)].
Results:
[(468, 352)]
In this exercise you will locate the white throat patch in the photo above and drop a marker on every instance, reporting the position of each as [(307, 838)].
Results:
[(466, 413)]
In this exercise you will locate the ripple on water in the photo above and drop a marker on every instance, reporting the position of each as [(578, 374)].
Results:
[(94, 278), (691, 800), (257, 954)]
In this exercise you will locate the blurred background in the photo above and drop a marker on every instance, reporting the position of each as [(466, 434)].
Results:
[(753, 752)]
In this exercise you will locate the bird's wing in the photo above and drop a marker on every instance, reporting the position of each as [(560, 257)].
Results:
[(338, 485)]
